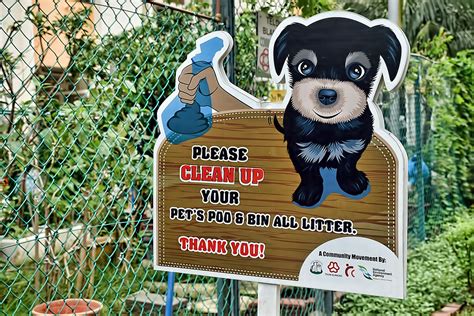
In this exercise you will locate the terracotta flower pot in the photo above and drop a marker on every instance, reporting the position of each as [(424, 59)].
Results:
[(70, 306)]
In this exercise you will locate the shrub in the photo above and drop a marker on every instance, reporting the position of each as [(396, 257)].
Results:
[(436, 276), (461, 240)]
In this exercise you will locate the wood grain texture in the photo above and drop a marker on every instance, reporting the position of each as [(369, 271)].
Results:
[(373, 216)]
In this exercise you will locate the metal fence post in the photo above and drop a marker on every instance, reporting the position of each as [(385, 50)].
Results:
[(419, 158), (228, 289), (328, 302), (227, 11), (170, 294)]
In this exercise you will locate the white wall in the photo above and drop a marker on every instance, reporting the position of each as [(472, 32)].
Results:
[(116, 16), (20, 43)]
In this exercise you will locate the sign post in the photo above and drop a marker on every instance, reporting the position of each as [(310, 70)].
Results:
[(310, 192), (268, 299), (266, 25)]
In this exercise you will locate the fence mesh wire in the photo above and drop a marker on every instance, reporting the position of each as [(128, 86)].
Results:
[(80, 84)]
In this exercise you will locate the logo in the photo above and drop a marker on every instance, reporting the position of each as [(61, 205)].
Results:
[(350, 271), (316, 267), (333, 267), (366, 273), (264, 62)]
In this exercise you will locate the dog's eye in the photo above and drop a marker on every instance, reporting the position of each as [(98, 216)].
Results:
[(305, 67), (355, 71)]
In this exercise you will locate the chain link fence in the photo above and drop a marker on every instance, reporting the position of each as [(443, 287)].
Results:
[(80, 85), (410, 118)]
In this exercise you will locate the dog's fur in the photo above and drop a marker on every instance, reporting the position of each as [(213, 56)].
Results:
[(334, 136)]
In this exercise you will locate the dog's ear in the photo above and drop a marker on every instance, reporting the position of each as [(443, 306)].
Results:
[(394, 52), (280, 50), (284, 37)]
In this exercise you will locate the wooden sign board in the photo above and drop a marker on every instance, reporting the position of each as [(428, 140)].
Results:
[(232, 199)]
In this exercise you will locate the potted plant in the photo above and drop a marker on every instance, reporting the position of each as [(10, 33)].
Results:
[(71, 306)]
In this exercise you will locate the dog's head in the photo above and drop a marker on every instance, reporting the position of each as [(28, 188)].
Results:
[(334, 64)]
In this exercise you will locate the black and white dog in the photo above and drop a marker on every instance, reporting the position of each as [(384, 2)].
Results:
[(334, 65)]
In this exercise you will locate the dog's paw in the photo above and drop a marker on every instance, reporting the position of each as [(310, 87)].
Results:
[(353, 184), (307, 196)]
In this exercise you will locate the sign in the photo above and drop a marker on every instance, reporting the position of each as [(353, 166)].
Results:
[(312, 192), (266, 25)]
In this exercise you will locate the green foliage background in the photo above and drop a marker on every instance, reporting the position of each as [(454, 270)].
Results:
[(450, 96), (93, 150), (453, 129), (440, 270), (436, 276), (423, 19)]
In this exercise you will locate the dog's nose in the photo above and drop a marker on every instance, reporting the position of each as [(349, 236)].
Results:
[(327, 96)]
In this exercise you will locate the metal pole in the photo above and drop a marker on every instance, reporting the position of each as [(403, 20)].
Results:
[(228, 289), (395, 8), (328, 302), (223, 295), (228, 17), (170, 294), (228, 297), (235, 295), (420, 187)]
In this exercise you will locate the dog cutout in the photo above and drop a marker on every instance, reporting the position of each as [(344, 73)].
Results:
[(332, 64)]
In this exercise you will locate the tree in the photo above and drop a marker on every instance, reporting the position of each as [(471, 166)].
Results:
[(423, 19)]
